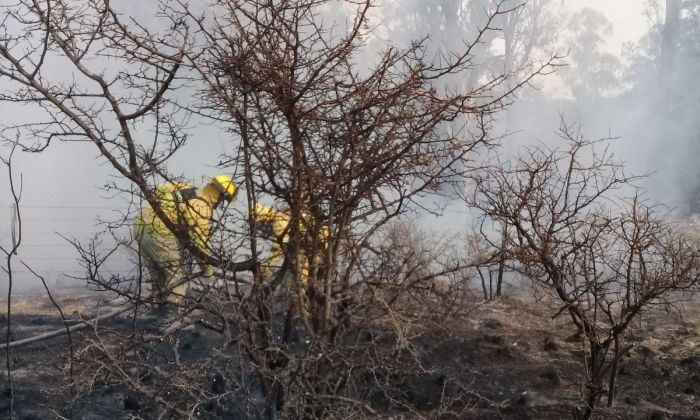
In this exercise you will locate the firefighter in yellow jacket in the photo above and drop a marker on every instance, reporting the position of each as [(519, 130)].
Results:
[(161, 250), (275, 226)]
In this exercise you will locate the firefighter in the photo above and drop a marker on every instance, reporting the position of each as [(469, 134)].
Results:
[(274, 225), (162, 250)]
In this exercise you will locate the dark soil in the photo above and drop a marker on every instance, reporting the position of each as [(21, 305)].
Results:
[(508, 360)]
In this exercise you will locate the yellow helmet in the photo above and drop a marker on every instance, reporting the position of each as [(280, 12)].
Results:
[(225, 184)]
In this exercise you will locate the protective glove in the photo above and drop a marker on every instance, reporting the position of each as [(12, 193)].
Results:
[(207, 270)]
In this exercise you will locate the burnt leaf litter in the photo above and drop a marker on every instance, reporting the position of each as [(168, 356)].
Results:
[(509, 360)]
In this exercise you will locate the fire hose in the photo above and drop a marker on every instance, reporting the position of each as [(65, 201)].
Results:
[(92, 322)]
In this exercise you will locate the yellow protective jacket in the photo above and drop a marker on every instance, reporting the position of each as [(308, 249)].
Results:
[(280, 229), (280, 222), (187, 207)]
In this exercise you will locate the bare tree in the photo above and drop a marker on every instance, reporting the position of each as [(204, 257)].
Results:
[(10, 256), (605, 259), (121, 76), (352, 147)]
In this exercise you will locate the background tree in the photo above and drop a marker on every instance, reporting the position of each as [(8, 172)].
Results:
[(666, 57), (592, 71)]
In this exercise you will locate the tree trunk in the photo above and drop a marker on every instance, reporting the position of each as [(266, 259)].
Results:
[(502, 261), (483, 283), (669, 45), (669, 36), (613, 373)]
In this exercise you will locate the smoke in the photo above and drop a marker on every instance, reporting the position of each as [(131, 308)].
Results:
[(611, 88), (615, 85)]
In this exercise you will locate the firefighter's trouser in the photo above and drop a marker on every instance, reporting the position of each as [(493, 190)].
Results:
[(283, 276), (162, 256)]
